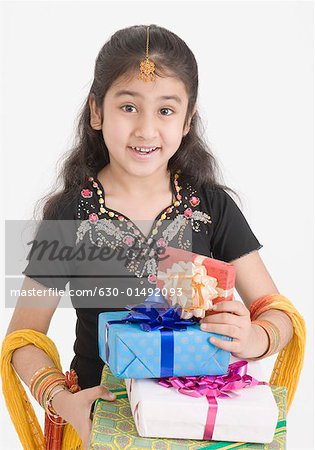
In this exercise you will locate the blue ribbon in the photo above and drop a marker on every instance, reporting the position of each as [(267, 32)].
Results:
[(167, 353), (153, 315)]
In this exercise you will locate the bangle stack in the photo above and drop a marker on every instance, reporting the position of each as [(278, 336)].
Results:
[(273, 334), (44, 385)]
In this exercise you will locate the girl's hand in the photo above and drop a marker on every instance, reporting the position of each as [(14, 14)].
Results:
[(233, 320), (76, 408)]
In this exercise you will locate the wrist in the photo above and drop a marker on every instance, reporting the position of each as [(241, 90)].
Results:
[(258, 343), (261, 339), (59, 400)]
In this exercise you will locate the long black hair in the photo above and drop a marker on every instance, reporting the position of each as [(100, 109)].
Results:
[(119, 56)]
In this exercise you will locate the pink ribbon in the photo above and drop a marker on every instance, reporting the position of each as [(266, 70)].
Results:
[(213, 386)]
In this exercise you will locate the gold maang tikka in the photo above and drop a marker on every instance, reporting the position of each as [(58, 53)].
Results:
[(147, 67)]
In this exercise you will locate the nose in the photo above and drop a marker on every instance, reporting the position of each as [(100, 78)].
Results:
[(146, 128)]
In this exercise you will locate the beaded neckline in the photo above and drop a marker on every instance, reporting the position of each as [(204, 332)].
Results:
[(185, 203), (112, 214)]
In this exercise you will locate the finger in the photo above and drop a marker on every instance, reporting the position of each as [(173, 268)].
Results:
[(234, 306), (100, 391), (225, 318), (226, 330), (107, 395), (229, 346)]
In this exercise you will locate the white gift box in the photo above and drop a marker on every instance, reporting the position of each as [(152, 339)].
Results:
[(249, 415)]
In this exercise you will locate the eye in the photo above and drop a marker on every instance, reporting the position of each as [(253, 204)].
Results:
[(167, 109), (127, 106), (162, 109)]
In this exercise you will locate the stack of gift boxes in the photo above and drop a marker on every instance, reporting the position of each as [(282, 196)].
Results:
[(178, 383)]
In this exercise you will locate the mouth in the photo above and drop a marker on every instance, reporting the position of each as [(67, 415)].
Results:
[(144, 152)]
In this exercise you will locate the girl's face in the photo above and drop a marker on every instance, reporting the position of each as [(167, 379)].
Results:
[(142, 114)]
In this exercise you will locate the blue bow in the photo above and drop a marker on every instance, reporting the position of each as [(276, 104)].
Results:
[(153, 314)]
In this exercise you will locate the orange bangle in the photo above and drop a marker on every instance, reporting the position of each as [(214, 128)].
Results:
[(42, 384), (43, 381), (48, 386), (36, 375), (48, 401), (273, 334), (42, 373)]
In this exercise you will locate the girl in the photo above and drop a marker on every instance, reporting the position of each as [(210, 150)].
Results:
[(140, 178)]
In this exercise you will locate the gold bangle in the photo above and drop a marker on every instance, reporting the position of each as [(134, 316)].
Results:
[(48, 403), (273, 334), (44, 382), (38, 372), (49, 409)]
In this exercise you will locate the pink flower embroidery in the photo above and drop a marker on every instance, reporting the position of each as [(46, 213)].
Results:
[(129, 240), (93, 217), (194, 201), (86, 193), (161, 242), (152, 278), (188, 212)]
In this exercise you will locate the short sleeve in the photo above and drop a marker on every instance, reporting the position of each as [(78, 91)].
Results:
[(232, 236), (50, 252)]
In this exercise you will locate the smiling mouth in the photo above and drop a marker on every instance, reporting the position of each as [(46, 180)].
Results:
[(144, 151)]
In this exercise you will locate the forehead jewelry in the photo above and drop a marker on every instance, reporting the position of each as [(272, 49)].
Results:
[(147, 67)]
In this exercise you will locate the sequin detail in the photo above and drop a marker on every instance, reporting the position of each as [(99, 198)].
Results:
[(107, 228)]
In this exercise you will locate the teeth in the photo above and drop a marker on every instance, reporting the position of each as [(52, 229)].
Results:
[(144, 150)]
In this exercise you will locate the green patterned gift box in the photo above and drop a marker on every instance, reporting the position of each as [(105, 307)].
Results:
[(114, 428)]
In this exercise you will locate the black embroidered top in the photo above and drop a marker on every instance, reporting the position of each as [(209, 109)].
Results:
[(116, 264)]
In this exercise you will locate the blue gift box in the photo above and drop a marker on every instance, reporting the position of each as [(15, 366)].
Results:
[(131, 352)]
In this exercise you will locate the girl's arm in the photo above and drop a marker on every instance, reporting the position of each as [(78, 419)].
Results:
[(253, 281), (33, 313), (27, 360)]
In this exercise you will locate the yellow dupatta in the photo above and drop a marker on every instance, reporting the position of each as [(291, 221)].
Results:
[(287, 368), (20, 409)]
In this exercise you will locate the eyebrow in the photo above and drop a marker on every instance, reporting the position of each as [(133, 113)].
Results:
[(136, 94)]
